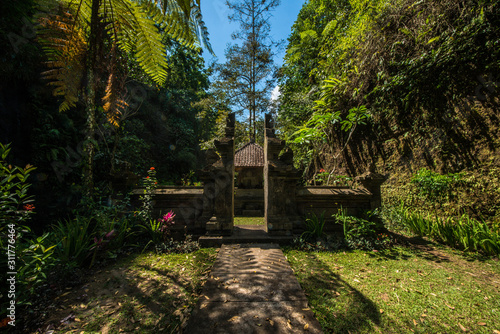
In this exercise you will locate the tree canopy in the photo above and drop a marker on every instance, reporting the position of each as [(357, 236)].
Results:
[(247, 76)]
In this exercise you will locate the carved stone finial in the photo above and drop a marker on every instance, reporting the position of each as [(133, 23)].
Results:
[(371, 167), (211, 156), (230, 123), (269, 126)]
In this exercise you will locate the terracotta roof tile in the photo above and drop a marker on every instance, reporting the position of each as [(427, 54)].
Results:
[(250, 155)]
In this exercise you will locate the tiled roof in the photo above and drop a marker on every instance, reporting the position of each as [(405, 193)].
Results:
[(250, 155)]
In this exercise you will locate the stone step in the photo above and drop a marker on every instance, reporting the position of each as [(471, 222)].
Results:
[(245, 234), (252, 213)]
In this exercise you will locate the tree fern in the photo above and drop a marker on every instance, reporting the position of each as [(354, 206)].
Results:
[(78, 41), (66, 49), (133, 26)]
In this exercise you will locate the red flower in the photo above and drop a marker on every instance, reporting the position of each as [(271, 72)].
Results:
[(152, 168), (4, 322), (147, 177), (322, 170), (29, 207)]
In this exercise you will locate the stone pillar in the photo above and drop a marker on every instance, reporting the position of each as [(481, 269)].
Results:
[(280, 179), (207, 176), (219, 185), (372, 182)]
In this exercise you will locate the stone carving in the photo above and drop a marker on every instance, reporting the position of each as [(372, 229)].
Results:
[(218, 178), (280, 179)]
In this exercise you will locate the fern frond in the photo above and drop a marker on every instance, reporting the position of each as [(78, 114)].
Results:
[(65, 46), (182, 21), (137, 33), (114, 105)]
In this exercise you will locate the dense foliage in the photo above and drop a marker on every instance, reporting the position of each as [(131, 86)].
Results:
[(426, 72)]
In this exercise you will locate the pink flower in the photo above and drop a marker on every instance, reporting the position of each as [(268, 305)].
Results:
[(110, 234)]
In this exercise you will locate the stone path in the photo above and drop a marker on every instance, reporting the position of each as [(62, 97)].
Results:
[(252, 289)]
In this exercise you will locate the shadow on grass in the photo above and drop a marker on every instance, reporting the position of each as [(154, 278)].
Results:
[(136, 295), (338, 306)]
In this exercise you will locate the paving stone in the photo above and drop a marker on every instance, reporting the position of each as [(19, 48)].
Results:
[(252, 289)]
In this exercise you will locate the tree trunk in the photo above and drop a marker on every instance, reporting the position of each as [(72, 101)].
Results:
[(90, 103)]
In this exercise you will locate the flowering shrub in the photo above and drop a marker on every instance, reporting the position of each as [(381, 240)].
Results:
[(33, 256), (159, 230), (14, 199)]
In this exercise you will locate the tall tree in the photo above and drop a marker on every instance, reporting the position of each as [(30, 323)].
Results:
[(248, 74), (88, 42)]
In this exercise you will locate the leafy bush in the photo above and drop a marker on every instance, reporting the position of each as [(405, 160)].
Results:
[(14, 198), (433, 185), (362, 233), (33, 257)]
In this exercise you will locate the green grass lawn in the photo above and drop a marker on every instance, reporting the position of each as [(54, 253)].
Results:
[(403, 290), (248, 221)]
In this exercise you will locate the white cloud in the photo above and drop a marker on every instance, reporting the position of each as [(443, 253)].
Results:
[(275, 94)]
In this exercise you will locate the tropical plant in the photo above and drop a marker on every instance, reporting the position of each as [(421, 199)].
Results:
[(463, 232), (74, 238), (15, 201), (87, 41), (150, 183), (314, 226), (361, 233), (159, 229)]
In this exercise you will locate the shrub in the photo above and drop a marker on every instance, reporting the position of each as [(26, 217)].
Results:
[(433, 185), (15, 202), (33, 256), (360, 233)]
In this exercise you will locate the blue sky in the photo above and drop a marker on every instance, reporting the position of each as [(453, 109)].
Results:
[(215, 14)]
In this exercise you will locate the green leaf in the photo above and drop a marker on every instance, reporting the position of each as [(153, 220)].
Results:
[(432, 40)]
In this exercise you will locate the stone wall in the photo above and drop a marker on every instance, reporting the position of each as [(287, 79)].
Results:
[(327, 201), (285, 206), (249, 202), (186, 202)]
